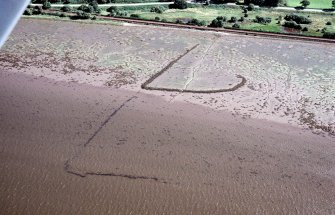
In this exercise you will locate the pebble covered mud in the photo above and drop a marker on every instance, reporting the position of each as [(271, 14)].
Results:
[(103, 119)]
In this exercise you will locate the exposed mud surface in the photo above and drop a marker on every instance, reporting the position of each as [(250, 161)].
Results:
[(80, 136), (286, 81), (131, 152)]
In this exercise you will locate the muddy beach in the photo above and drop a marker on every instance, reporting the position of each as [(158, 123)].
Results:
[(80, 133)]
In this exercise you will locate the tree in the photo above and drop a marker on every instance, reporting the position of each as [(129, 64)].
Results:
[(66, 8), (233, 19), (298, 19), (218, 22), (27, 12), (236, 25), (81, 15), (271, 3), (46, 5), (305, 3), (86, 8), (251, 7), (180, 4), (37, 10), (333, 4), (95, 6)]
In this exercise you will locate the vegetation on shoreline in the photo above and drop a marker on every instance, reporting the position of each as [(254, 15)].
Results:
[(219, 16)]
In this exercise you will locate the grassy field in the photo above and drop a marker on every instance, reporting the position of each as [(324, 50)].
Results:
[(322, 4), (208, 14)]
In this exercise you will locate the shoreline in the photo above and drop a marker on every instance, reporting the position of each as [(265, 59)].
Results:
[(121, 76)]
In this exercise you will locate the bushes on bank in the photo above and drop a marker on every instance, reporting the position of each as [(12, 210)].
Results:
[(179, 4), (251, 7), (28, 12), (135, 16), (329, 35), (157, 9), (196, 22), (114, 11), (298, 19), (90, 8), (86, 8), (292, 24), (262, 20), (236, 25), (46, 5), (66, 8), (218, 22), (81, 15), (233, 19)]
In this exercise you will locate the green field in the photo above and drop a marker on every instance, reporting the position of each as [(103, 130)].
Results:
[(209, 13), (322, 4)]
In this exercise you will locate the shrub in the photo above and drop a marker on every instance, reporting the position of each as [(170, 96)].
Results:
[(66, 8), (328, 23), (179, 4), (92, 7), (86, 8), (330, 35), (246, 15), (164, 20), (241, 19), (222, 18), (157, 9), (256, 2), (94, 18), (135, 16), (262, 20), (46, 5), (28, 12), (112, 9), (298, 19), (251, 7), (122, 13), (271, 3), (292, 24), (218, 1), (324, 30), (95, 6), (196, 22), (62, 15), (81, 15), (178, 21), (218, 22), (305, 29), (37, 10), (157, 18), (305, 3), (236, 25), (233, 19)]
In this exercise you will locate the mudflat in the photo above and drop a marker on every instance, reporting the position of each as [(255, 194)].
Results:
[(79, 135)]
